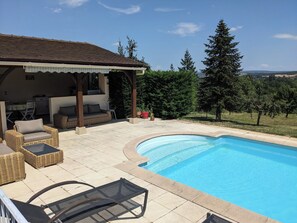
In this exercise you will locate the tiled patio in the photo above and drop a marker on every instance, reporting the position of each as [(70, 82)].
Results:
[(92, 158)]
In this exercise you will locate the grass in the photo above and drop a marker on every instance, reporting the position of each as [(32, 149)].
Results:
[(280, 125)]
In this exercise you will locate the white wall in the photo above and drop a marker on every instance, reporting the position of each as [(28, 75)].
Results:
[(3, 116), (56, 102)]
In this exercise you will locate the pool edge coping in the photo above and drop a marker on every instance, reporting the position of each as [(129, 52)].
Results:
[(205, 200)]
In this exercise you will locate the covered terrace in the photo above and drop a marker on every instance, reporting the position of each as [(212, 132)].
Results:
[(57, 69)]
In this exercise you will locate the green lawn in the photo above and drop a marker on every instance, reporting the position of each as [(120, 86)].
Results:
[(279, 125)]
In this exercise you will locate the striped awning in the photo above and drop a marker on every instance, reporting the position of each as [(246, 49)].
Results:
[(65, 68)]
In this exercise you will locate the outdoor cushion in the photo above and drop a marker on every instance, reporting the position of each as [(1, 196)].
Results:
[(94, 108), (30, 126), (69, 110), (5, 149), (36, 136)]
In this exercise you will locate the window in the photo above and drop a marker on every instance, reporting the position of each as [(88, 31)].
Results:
[(96, 84)]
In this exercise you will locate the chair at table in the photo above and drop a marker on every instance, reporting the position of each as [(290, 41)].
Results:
[(8, 116), (112, 111), (28, 113), (9, 112)]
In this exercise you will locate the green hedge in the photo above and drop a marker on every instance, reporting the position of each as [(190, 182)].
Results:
[(170, 94)]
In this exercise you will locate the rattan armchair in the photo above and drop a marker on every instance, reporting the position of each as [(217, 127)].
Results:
[(12, 165), (15, 139)]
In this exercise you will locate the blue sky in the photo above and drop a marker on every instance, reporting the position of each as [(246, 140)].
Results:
[(164, 29)]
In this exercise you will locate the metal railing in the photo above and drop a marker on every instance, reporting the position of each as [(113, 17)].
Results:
[(8, 211)]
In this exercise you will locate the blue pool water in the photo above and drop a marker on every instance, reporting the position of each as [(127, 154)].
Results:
[(259, 176)]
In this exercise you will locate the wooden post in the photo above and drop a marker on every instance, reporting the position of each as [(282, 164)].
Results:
[(1, 126), (79, 100), (133, 94)]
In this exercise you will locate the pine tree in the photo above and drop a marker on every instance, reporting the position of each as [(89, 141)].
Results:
[(131, 48), (220, 88), (121, 50), (172, 67), (187, 63)]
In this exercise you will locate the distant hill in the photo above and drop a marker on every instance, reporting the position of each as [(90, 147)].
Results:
[(267, 73), (264, 73)]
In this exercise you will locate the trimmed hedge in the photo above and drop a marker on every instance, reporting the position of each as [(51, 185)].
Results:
[(170, 94)]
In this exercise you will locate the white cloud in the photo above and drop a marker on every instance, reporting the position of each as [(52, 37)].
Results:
[(57, 10), (233, 29), (185, 29), (128, 11), (264, 65), (285, 36), (168, 10), (116, 44), (73, 3)]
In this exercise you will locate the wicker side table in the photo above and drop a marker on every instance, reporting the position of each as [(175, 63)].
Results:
[(42, 155)]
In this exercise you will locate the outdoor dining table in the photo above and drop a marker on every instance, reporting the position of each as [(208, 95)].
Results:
[(14, 110)]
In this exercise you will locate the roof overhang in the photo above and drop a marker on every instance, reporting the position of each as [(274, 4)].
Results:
[(31, 67)]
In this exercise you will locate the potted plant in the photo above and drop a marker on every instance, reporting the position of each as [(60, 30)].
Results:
[(152, 116), (144, 112), (138, 112)]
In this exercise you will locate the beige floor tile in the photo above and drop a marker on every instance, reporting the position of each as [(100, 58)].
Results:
[(154, 192), (16, 189), (155, 211), (170, 200), (172, 218)]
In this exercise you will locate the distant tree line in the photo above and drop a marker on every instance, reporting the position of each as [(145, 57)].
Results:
[(172, 94)]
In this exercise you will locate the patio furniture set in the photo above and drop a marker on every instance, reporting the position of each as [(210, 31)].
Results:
[(29, 141)]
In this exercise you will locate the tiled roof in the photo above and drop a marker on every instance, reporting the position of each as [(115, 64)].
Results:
[(31, 49)]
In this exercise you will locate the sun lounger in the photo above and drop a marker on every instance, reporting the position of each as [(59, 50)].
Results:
[(83, 205), (212, 218)]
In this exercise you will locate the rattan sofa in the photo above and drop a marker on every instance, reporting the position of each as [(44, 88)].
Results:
[(12, 165), (31, 132), (93, 114)]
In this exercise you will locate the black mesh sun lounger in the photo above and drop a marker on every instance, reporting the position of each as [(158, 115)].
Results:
[(212, 218), (83, 205)]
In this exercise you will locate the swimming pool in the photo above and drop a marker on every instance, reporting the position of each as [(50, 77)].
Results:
[(258, 176)]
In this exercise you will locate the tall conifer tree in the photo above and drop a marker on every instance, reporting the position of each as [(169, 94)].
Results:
[(219, 89), (187, 63), (121, 50)]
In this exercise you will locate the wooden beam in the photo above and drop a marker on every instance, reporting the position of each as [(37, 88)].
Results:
[(79, 100), (1, 126), (5, 74)]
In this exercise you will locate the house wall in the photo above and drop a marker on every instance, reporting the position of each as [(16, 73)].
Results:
[(3, 126), (16, 89), (103, 99)]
